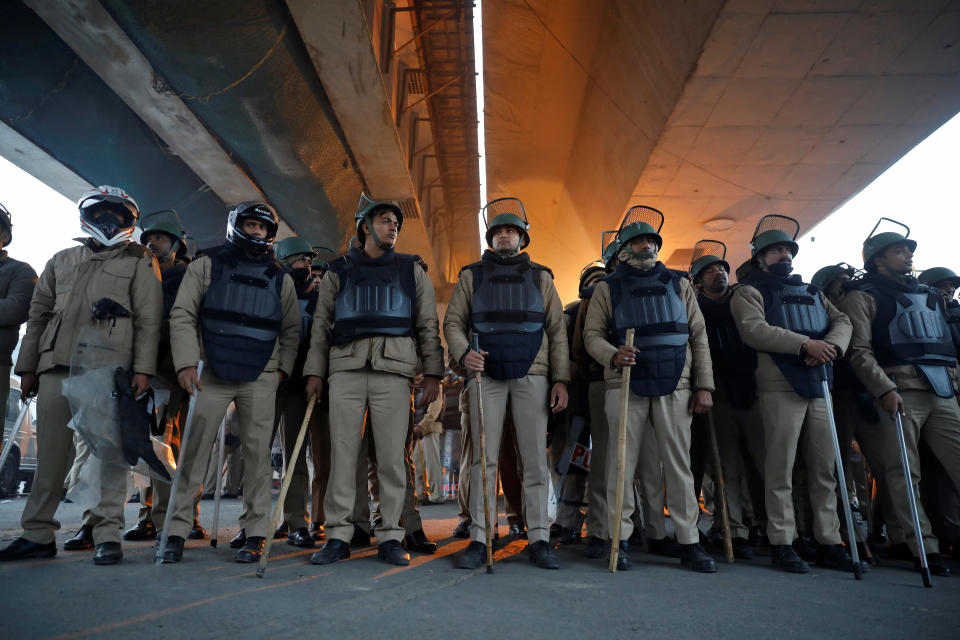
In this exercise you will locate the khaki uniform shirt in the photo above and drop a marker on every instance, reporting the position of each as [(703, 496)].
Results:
[(186, 338), (746, 306), (71, 282), (403, 355)]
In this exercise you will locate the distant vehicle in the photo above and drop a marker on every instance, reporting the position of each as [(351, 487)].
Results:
[(21, 464)]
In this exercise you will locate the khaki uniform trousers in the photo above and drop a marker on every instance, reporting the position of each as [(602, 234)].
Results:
[(367, 476), (320, 450), (668, 419), (528, 398), (736, 426), (254, 403), (466, 464), (649, 480), (292, 406), (429, 470), (936, 421), (54, 445), (792, 424), (387, 399), (597, 516)]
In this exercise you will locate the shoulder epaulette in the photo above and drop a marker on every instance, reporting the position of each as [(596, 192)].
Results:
[(540, 267)]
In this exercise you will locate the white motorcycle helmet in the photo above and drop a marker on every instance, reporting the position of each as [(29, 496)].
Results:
[(113, 229)]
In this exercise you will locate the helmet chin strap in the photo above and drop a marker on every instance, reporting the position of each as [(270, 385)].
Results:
[(382, 245)]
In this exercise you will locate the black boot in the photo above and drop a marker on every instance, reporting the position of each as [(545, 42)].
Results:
[(239, 540), (784, 557), (541, 554), (463, 530), (143, 530), (252, 550), (360, 538), (23, 549), (596, 547), (666, 547), (281, 532), (108, 553), (316, 531), (934, 563), (301, 538), (835, 556), (473, 556), (81, 540), (197, 532), (623, 555), (174, 551), (392, 552), (332, 551), (741, 549), (694, 557), (417, 541)]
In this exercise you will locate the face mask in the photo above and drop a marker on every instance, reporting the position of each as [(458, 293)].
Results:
[(300, 276), (781, 269)]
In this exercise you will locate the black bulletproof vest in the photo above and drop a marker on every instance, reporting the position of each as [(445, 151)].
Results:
[(791, 304), (650, 303), (170, 283), (241, 313), (507, 312), (910, 328), (377, 296), (953, 323), (733, 362)]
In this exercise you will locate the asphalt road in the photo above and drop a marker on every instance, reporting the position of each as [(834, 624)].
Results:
[(209, 596)]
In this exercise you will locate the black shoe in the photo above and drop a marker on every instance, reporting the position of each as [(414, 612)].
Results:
[(360, 538), (198, 532), (301, 538), (281, 532), (108, 553), (330, 552), (556, 529), (517, 530), (596, 548), (568, 536), (392, 552), (23, 549), (239, 540), (316, 531), (835, 556), (462, 530), (935, 564), (174, 551), (473, 556), (623, 555), (143, 530), (741, 549), (81, 540), (417, 541), (695, 558), (784, 557), (541, 554), (252, 550), (806, 548), (636, 538), (667, 547)]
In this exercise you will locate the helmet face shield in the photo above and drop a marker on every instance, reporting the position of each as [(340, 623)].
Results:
[(108, 215), (506, 212)]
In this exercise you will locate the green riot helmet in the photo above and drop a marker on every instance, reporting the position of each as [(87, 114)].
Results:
[(367, 207), (877, 242), (706, 253), (826, 275), (294, 246), (165, 222), (6, 223), (935, 275), (641, 220), (506, 212), (609, 248), (774, 229), (591, 272)]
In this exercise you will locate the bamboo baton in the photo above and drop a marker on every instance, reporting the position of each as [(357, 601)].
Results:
[(287, 477), (483, 463), (721, 489), (621, 456)]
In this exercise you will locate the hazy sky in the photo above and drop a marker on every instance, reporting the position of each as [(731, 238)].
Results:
[(921, 190)]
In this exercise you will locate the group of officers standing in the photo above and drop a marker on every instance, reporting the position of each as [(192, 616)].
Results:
[(248, 325)]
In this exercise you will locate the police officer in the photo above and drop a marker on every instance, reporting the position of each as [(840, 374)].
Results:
[(512, 304), (167, 240), (671, 381), (237, 312), (903, 354), (17, 280), (375, 325), (734, 364), (947, 282), (795, 330), (106, 265)]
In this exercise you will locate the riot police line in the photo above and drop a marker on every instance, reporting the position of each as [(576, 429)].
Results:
[(802, 413)]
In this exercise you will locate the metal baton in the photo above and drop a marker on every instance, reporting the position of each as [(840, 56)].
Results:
[(219, 486), (483, 463), (912, 499)]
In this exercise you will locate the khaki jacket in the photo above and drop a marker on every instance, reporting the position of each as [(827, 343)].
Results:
[(746, 306), (697, 370), (861, 307), (186, 339), (430, 423), (553, 359), (71, 282), (403, 355)]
